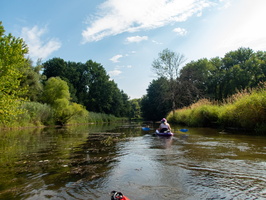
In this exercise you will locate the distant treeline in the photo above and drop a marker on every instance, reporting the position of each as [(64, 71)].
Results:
[(214, 79), (56, 92)]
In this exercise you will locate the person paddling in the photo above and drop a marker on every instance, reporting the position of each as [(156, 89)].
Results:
[(164, 126)]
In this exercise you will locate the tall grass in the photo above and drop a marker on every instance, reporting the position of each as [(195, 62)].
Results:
[(37, 114), (102, 118), (244, 110)]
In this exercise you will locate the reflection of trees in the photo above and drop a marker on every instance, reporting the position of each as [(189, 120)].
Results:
[(51, 157)]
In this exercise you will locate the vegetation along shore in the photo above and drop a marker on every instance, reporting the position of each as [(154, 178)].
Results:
[(218, 92)]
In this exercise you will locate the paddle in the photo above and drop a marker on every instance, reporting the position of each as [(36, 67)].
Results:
[(148, 129)]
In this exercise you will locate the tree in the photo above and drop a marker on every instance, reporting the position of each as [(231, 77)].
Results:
[(32, 79), (154, 105), (67, 71), (194, 79), (90, 86), (12, 60), (56, 93), (135, 111), (167, 66)]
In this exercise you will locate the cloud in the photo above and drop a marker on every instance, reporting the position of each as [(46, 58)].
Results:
[(115, 72), (136, 39), (119, 16), (156, 42), (39, 48), (180, 31), (115, 58), (248, 34)]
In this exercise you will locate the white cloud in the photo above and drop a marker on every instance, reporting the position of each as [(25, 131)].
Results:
[(250, 33), (119, 16), (136, 38), (115, 72), (180, 31), (115, 58), (156, 42), (39, 48)]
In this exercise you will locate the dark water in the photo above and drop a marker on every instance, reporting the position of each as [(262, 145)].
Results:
[(87, 162)]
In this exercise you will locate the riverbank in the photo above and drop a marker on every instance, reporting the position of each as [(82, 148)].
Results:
[(36, 119), (244, 111)]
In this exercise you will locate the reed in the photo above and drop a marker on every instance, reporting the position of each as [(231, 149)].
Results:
[(101, 118), (244, 110)]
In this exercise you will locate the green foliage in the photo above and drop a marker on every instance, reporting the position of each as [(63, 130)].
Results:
[(32, 79), (167, 66), (247, 111), (154, 105), (203, 113), (12, 51), (168, 63), (90, 86), (37, 114), (55, 88), (214, 79), (135, 112), (195, 79), (101, 118), (56, 94)]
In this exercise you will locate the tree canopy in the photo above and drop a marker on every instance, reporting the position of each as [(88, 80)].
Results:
[(12, 61), (167, 66), (90, 86), (215, 78)]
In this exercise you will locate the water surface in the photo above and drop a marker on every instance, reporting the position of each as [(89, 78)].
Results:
[(89, 161)]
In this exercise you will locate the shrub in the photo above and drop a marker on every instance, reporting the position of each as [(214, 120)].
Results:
[(37, 113)]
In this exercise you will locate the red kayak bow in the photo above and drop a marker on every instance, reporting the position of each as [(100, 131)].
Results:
[(118, 196)]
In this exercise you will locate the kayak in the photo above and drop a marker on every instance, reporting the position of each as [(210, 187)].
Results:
[(166, 133), (118, 196)]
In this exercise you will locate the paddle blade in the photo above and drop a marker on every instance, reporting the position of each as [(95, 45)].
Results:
[(183, 130), (146, 129)]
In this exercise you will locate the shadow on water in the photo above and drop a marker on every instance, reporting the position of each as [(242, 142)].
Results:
[(87, 162)]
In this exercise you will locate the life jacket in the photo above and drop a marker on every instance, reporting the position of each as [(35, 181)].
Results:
[(164, 127)]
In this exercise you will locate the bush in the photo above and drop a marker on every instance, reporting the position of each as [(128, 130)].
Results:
[(37, 113)]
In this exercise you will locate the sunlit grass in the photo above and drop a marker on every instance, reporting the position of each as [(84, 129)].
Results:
[(244, 110)]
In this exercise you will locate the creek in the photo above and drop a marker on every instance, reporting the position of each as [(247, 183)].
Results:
[(87, 162)]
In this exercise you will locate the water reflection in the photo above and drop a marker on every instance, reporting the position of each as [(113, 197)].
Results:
[(87, 162)]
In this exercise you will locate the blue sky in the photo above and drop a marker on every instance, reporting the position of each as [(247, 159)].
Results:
[(125, 36)]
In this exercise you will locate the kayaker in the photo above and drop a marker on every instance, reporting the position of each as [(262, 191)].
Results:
[(164, 126)]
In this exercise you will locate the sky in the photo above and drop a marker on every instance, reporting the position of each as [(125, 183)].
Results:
[(126, 36)]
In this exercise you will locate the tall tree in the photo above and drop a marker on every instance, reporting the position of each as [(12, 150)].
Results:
[(33, 80), (135, 111), (167, 66), (12, 60), (154, 105), (194, 79)]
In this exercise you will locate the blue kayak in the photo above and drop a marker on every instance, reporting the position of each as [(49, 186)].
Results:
[(166, 133)]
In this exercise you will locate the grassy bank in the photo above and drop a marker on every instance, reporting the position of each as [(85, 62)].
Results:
[(245, 110), (37, 114)]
